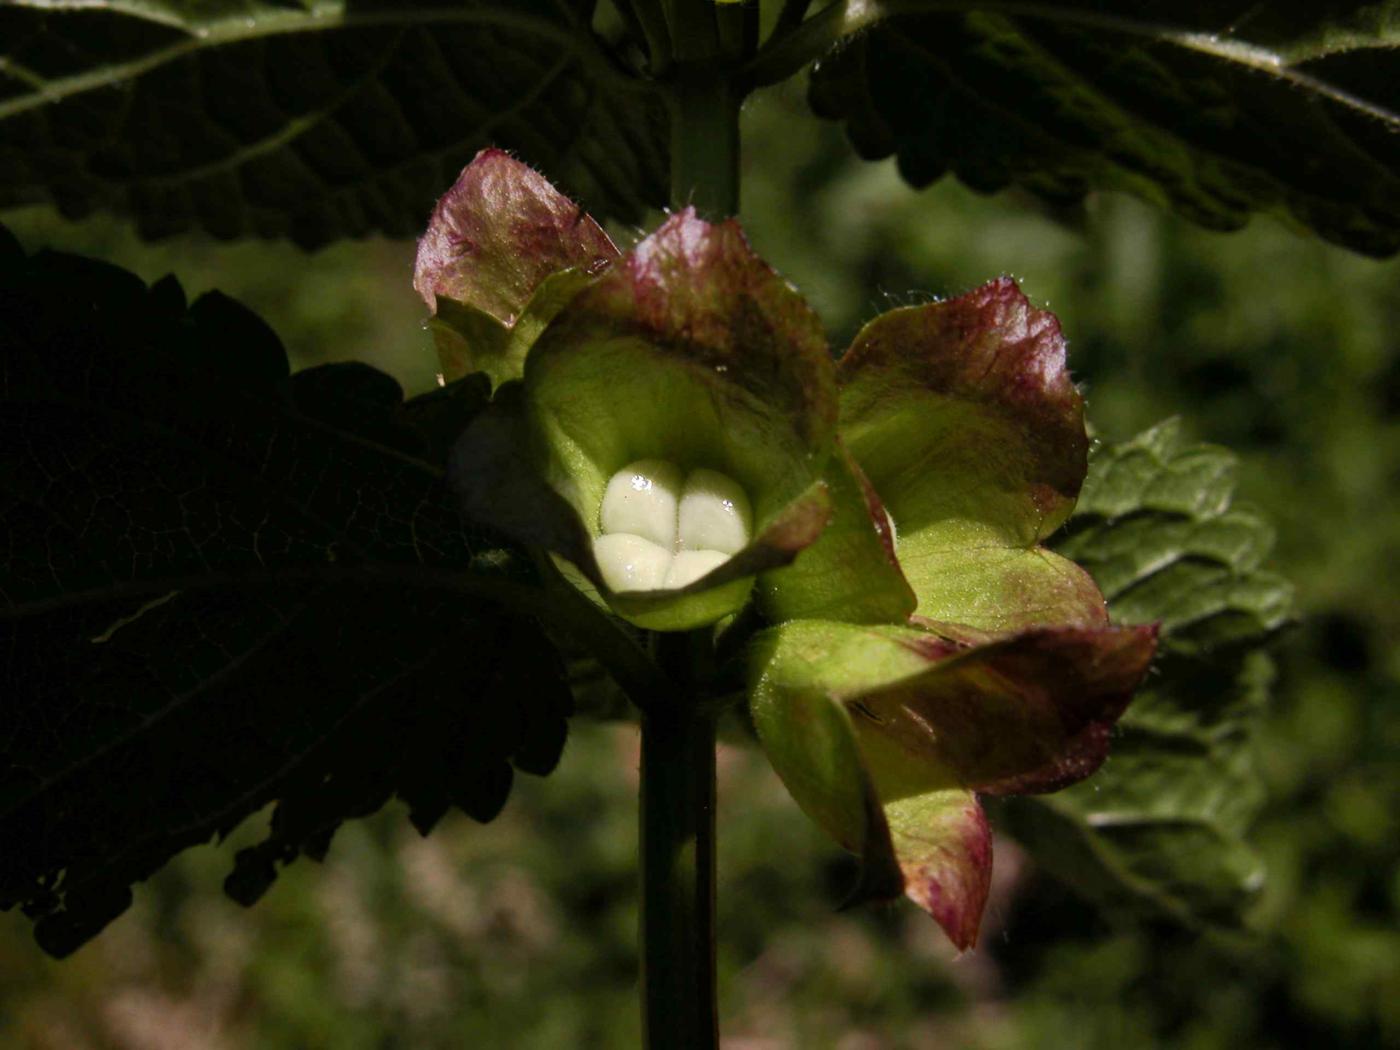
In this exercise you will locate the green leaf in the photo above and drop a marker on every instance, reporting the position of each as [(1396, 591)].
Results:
[(225, 587), (1161, 829), (1158, 529), (1214, 108), (312, 119)]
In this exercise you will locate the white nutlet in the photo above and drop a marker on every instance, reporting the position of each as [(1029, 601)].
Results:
[(631, 563), (689, 566), (663, 530), (641, 499), (714, 513)]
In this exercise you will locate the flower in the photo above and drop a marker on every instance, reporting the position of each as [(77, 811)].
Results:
[(669, 424)]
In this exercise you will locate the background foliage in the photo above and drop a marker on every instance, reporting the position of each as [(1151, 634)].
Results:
[(1281, 348)]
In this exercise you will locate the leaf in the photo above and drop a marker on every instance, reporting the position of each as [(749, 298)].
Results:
[(311, 119), (225, 587), (1215, 108), (1160, 830), (1158, 529)]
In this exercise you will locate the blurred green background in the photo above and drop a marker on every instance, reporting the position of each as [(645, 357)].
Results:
[(521, 933)]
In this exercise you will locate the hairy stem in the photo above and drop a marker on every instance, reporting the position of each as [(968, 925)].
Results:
[(705, 141)]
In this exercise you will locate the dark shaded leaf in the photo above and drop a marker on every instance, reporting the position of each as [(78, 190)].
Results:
[(1161, 828), (311, 120), (225, 588), (1215, 108)]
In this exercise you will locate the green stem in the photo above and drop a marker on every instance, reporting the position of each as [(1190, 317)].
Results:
[(657, 34), (705, 141), (679, 1010), (693, 33), (678, 869), (737, 24)]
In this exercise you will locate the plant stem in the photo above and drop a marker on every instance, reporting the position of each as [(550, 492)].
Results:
[(657, 34), (678, 869), (738, 25), (693, 33), (679, 1010), (705, 141)]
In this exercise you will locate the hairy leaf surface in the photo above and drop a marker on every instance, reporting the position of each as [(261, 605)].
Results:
[(311, 119), (1215, 108), (1161, 827), (225, 587)]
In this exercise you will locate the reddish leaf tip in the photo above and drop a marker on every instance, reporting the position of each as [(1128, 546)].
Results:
[(1102, 669), (952, 885), (699, 290), (498, 232), (993, 347)]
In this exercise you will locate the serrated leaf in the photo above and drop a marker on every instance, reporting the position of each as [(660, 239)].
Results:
[(223, 588), (1161, 829), (315, 119), (1214, 108), (1157, 528)]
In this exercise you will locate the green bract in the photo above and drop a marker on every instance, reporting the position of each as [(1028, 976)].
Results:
[(921, 646), (688, 349), (503, 253)]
